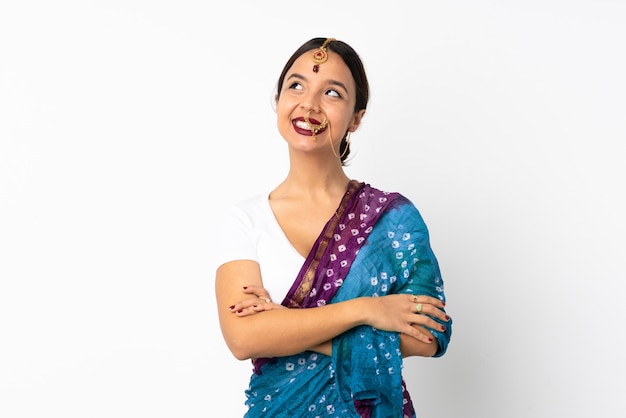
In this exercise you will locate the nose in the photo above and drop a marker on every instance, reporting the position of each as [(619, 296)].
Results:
[(310, 101)]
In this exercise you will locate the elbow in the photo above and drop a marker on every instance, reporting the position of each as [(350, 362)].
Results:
[(442, 339), (240, 350), (242, 342), (240, 354)]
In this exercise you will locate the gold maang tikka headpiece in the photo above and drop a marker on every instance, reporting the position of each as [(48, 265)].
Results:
[(320, 56)]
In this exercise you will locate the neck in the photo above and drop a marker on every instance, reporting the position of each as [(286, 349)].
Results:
[(314, 176)]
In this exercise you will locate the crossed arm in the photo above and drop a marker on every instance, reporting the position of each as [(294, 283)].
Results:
[(253, 327)]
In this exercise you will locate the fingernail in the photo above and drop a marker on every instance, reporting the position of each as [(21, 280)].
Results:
[(254, 306), (430, 340), (245, 287), (443, 328), (231, 307), (239, 311), (447, 318)]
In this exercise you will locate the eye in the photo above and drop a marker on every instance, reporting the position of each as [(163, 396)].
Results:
[(295, 86), (333, 93)]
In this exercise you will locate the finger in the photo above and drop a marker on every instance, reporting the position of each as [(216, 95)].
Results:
[(420, 333), (428, 299), (428, 322), (426, 305), (247, 311), (257, 291), (256, 308), (258, 304), (254, 290), (246, 303), (433, 311)]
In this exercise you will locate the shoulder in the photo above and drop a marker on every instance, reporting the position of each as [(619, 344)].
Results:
[(401, 208), (397, 198), (250, 201), (246, 212), (249, 205)]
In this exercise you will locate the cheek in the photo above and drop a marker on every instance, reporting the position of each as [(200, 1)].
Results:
[(283, 114), (285, 104), (340, 122), (283, 120)]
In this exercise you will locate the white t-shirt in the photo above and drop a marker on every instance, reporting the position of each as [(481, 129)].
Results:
[(250, 231)]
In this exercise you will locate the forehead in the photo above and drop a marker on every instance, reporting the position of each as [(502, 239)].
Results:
[(334, 68)]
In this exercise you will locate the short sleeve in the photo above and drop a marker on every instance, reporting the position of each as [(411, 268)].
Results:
[(236, 236)]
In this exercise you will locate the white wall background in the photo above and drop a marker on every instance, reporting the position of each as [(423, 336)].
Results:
[(124, 125)]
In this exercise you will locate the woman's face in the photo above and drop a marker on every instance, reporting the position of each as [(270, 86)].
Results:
[(329, 92)]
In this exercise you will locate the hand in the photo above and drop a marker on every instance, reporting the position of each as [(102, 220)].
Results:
[(427, 305), (259, 302), (409, 314)]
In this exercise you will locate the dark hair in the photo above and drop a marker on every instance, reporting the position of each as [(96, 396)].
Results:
[(354, 63)]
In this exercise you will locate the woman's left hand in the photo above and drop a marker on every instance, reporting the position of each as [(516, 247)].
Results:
[(259, 302)]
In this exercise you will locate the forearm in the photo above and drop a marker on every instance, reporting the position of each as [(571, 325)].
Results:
[(325, 348), (410, 346), (278, 331), (289, 331)]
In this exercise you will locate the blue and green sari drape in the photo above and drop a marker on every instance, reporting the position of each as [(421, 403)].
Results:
[(376, 244)]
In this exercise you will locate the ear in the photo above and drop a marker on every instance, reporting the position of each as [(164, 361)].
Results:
[(356, 120)]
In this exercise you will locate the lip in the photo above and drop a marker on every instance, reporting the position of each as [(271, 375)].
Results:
[(306, 131)]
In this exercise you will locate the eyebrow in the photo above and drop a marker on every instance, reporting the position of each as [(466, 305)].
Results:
[(333, 82)]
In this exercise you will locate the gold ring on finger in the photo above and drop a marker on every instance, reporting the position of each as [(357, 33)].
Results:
[(418, 308)]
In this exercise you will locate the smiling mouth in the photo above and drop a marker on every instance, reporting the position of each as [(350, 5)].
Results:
[(302, 125), (312, 127)]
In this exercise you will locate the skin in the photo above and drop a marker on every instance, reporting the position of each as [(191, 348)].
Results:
[(251, 325)]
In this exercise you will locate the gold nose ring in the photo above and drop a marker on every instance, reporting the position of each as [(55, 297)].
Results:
[(315, 128)]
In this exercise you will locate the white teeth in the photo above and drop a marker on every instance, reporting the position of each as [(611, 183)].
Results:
[(303, 125)]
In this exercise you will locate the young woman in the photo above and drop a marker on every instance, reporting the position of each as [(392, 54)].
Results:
[(325, 282)]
